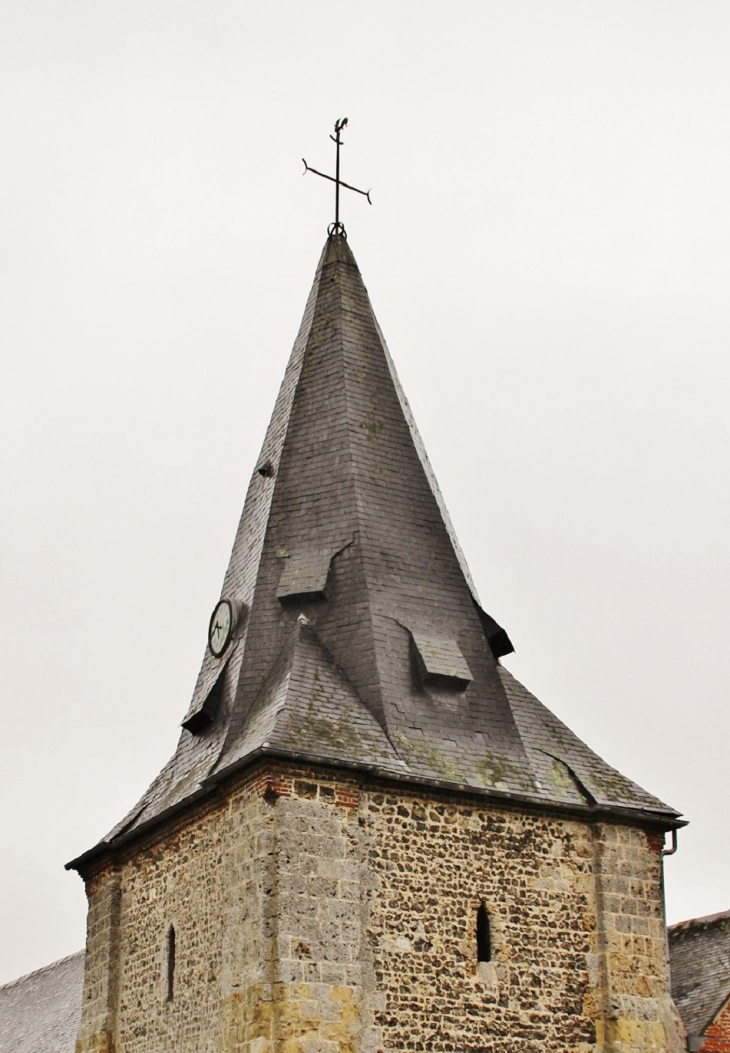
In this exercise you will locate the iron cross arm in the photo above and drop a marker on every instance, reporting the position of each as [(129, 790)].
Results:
[(332, 179)]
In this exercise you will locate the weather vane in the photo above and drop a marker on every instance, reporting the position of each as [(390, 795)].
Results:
[(337, 227)]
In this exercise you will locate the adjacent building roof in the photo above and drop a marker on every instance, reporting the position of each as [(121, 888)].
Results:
[(359, 638), (699, 955), (40, 1012)]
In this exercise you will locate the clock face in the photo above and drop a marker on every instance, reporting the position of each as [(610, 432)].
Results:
[(221, 627)]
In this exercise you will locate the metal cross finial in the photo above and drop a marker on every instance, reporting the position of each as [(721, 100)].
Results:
[(337, 227)]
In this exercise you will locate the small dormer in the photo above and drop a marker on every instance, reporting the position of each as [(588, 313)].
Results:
[(304, 575), (440, 661)]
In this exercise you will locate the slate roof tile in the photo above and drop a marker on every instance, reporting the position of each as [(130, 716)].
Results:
[(347, 475), (41, 1012), (566, 769), (699, 956)]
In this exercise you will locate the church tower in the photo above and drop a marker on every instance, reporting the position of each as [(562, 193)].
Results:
[(371, 838)]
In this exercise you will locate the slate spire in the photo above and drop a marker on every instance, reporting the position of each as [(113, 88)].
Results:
[(358, 638)]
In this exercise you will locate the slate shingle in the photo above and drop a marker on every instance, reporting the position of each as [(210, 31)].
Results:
[(41, 1012), (347, 474), (699, 957)]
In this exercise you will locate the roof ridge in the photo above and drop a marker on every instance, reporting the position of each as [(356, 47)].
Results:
[(43, 969), (707, 919), (425, 462)]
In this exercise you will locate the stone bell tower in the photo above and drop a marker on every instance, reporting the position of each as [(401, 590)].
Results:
[(371, 837)]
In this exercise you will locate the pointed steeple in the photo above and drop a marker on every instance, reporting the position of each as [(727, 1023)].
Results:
[(357, 636)]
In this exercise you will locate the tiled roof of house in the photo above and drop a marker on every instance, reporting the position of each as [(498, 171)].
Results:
[(396, 666), (699, 955), (40, 1012)]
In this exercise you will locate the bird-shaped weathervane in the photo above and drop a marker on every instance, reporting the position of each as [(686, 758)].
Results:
[(337, 227)]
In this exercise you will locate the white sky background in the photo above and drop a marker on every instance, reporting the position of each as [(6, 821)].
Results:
[(547, 254)]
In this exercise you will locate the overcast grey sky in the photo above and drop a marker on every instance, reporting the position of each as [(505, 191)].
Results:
[(547, 253)]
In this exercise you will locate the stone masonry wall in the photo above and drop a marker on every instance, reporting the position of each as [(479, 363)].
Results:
[(101, 970), (206, 878), (578, 955), (637, 1011), (313, 915)]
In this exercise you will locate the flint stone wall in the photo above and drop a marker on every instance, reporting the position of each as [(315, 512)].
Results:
[(313, 915)]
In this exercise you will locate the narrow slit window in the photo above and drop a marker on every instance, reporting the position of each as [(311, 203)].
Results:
[(484, 942), (171, 963)]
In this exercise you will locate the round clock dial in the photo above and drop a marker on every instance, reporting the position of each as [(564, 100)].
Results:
[(221, 627)]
